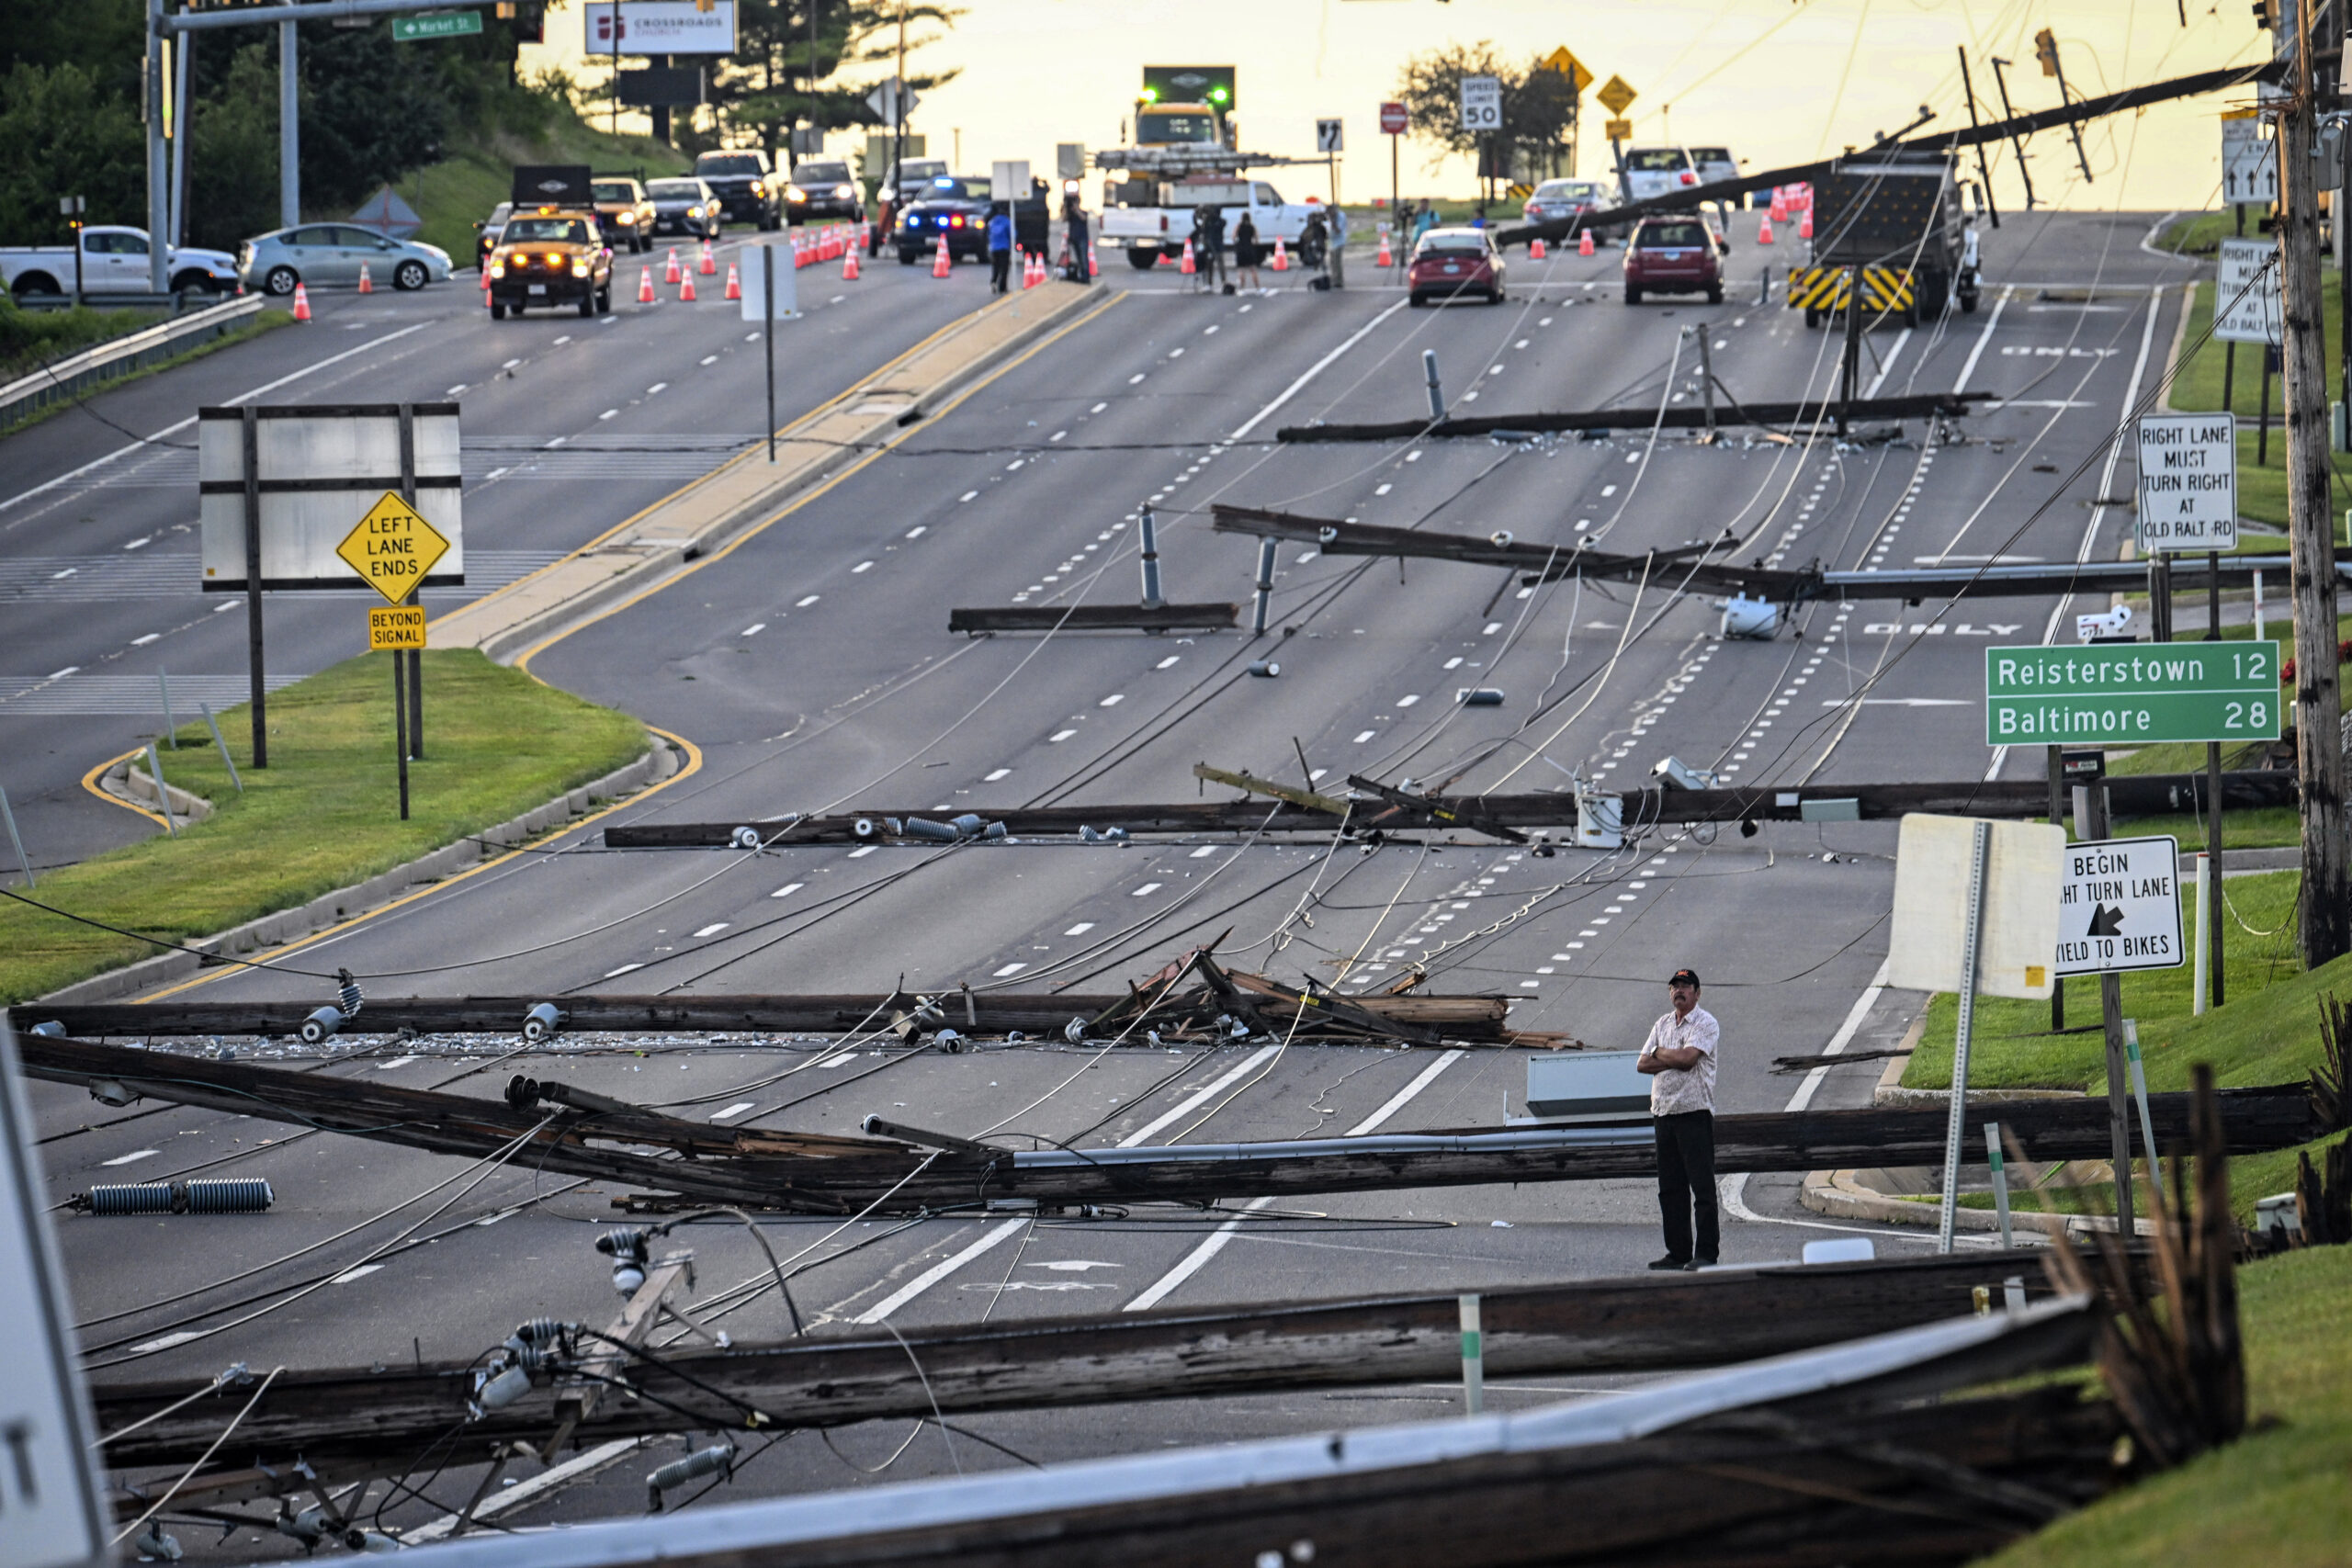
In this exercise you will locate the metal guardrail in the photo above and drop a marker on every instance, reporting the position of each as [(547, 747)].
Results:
[(70, 377)]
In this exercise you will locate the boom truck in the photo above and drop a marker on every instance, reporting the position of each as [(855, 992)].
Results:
[(1895, 215), (1185, 157)]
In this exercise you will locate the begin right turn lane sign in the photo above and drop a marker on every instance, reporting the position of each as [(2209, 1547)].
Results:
[(2118, 907)]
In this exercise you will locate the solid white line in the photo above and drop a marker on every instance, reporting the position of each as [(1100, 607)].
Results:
[(1839, 1041), (1886, 367), (183, 424), (936, 1273), (578, 1467), (1404, 1096), (2105, 480), (1314, 370), (1194, 1103), (1981, 339), (1194, 1260)]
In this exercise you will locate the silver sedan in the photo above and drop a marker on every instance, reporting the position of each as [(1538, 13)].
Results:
[(331, 254)]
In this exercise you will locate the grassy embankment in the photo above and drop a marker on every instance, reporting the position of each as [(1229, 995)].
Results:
[(30, 339), (2197, 389), (324, 814), (2277, 1498), (452, 196)]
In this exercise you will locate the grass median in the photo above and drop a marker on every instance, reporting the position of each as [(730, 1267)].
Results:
[(2278, 1497), (325, 814)]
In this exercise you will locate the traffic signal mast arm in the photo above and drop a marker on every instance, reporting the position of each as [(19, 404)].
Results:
[(1994, 130)]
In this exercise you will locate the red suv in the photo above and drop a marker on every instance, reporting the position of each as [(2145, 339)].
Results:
[(1456, 263), (1672, 255)]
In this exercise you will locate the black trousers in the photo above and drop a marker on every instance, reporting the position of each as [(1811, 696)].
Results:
[(1685, 1182), (1000, 270)]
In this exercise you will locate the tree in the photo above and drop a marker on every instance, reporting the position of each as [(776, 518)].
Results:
[(62, 135), (1539, 104), (774, 80)]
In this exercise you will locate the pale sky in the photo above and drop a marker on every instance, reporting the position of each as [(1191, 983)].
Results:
[(1772, 79)]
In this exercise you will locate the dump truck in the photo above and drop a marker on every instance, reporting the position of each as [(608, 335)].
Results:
[(1895, 219)]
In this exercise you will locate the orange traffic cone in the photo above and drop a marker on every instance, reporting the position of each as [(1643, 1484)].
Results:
[(1584, 241), (1093, 268), (849, 264), (734, 282), (1185, 266), (1764, 231), (1535, 251), (670, 273), (1805, 225), (686, 289), (301, 304), (707, 267), (1033, 270), (1780, 208), (365, 286), (1281, 255), (645, 285), (1389, 258), (939, 261)]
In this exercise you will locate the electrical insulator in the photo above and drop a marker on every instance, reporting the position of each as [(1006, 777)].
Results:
[(718, 1460), (348, 996)]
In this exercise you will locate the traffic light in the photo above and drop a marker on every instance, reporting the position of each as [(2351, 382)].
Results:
[(2045, 50)]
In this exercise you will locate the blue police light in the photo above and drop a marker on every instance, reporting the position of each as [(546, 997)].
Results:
[(942, 182)]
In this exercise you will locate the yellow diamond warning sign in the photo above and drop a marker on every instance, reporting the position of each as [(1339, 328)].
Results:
[(394, 627), (392, 547), (1617, 92)]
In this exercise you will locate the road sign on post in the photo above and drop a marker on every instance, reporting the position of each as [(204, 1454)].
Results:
[(1617, 130), (393, 547), (1617, 92), (1394, 119), (1568, 65), (2249, 162), (1330, 137), (395, 628), (1482, 104), (2118, 907), (437, 24), (2131, 695), (2246, 294), (2189, 483)]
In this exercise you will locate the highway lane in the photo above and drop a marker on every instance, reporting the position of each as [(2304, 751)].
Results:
[(1784, 933), (571, 426)]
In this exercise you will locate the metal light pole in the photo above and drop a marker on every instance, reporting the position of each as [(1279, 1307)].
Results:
[(159, 217), (290, 126)]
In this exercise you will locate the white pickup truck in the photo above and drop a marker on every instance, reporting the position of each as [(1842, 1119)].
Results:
[(114, 261), (1160, 218)]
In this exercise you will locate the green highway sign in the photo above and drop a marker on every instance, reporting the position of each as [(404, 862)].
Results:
[(435, 24), (2131, 693)]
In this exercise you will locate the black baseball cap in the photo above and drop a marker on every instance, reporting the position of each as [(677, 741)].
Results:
[(1682, 975)]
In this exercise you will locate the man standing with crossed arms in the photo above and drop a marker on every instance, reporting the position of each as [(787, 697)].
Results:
[(1680, 1056)]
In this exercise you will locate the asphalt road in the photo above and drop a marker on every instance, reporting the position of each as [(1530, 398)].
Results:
[(571, 425), (811, 668)]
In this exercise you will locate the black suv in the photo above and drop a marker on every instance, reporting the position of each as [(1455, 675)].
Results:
[(747, 189), (944, 208), (822, 189)]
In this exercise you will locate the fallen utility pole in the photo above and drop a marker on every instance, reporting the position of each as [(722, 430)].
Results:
[(2145, 795), (1922, 405), (751, 1166), (1598, 1325), (985, 619), (1684, 568), (2006, 128), (1864, 1450)]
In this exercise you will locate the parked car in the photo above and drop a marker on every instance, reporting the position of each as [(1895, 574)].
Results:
[(684, 206), (486, 233), (949, 208), (1568, 198), (1673, 256), (1453, 263), (822, 189), (1714, 164), (1657, 171), (624, 212), (332, 253), (749, 191), (114, 261), (550, 257)]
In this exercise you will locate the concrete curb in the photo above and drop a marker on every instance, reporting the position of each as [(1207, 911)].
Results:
[(348, 903), (704, 514), (128, 781), (1843, 1195)]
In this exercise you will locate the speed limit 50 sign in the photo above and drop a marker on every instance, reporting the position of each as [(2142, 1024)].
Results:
[(1482, 103)]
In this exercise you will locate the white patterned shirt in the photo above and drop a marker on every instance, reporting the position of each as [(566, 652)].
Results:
[(1676, 1089)]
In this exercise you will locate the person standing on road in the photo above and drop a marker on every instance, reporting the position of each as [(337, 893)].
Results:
[(1074, 239), (1680, 1056), (1000, 249), (1247, 251), (1422, 223)]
